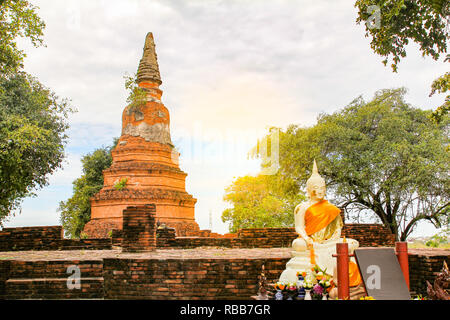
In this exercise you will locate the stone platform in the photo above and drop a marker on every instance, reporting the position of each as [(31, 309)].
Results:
[(210, 273), (200, 273)]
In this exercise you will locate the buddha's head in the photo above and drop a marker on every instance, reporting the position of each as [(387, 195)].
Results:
[(315, 186)]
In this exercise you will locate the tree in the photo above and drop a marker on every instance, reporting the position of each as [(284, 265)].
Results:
[(259, 203), (75, 212), (382, 158), (400, 21), (32, 118), (18, 18), (441, 85), (393, 24)]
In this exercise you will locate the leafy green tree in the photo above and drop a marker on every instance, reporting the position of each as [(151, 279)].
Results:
[(380, 158), (393, 24), (260, 202), (75, 212), (441, 85), (402, 21), (32, 118), (18, 18), (440, 239)]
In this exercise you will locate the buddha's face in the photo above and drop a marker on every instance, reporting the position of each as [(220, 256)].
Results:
[(317, 191)]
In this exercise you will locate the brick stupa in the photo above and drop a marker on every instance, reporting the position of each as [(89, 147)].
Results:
[(146, 159)]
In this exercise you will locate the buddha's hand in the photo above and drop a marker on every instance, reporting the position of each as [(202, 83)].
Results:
[(309, 242)]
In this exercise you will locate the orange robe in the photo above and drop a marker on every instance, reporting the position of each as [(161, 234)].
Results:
[(319, 216), (354, 275)]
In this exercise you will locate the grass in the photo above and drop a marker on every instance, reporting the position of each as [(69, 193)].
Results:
[(422, 245)]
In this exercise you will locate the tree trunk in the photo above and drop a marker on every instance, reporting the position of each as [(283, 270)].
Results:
[(388, 223)]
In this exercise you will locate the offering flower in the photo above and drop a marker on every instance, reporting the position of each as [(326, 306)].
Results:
[(303, 274), (291, 287), (308, 285), (367, 298), (318, 289), (280, 286)]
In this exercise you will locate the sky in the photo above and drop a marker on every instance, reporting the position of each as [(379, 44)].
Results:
[(230, 70)]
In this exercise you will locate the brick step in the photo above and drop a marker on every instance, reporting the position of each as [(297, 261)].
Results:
[(56, 288), (54, 269)]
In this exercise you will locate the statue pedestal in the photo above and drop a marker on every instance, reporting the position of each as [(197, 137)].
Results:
[(323, 253), (298, 263)]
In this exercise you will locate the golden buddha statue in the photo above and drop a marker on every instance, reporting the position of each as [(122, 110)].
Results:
[(318, 224)]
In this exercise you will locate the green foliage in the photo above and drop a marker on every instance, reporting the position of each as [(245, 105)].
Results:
[(137, 96), (32, 138), (422, 21), (434, 243), (18, 18), (426, 22), (121, 184), (76, 211), (441, 85), (259, 202), (32, 118), (380, 157), (439, 239)]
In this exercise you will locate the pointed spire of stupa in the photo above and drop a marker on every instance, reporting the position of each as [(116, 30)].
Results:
[(148, 70)]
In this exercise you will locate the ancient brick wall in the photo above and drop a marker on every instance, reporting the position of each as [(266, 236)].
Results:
[(88, 244), (30, 238), (246, 238), (100, 228), (4, 275), (45, 238), (48, 280), (423, 268), (139, 229), (266, 237), (176, 279), (137, 278), (116, 237), (115, 278), (369, 235), (50, 238)]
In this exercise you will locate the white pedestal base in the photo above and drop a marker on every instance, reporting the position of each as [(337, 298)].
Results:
[(324, 251)]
